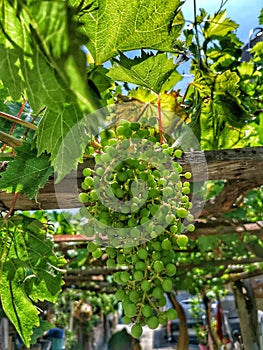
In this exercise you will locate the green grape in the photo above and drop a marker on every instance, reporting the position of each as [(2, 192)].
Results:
[(181, 212), (162, 319), (93, 196), (119, 193), (152, 322), (186, 190), (120, 294), (135, 232), (140, 265), (146, 286), (170, 269), (147, 311), (126, 320), (88, 230), (116, 277), (87, 172), (178, 153), (182, 241), (158, 266), (134, 296), (157, 246), (138, 275), (166, 244), (142, 253), (157, 292), (156, 256), (89, 181), (162, 301), (130, 310), (135, 126), (190, 227), (92, 247), (97, 253), (84, 187), (171, 314), (83, 197), (122, 176), (121, 258), (188, 175), (111, 252), (110, 263), (168, 192), (124, 276), (136, 330), (167, 284), (132, 222)]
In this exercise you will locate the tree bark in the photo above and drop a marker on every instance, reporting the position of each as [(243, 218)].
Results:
[(247, 312), (211, 332), (183, 339)]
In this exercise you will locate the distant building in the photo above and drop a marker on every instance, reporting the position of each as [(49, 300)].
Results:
[(255, 36)]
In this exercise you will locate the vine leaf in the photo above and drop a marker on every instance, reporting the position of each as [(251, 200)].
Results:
[(30, 271), (17, 306), (27, 173), (219, 25), (154, 72), (117, 25), (53, 71)]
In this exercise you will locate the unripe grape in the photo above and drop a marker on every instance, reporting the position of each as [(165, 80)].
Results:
[(170, 269), (97, 253), (136, 330), (152, 322), (130, 310), (178, 153), (166, 244), (120, 294), (145, 286), (182, 241), (86, 172), (138, 275), (126, 320), (92, 247), (188, 175), (83, 197), (181, 212), (167, 284), (157, 292), (142, 253), (158, 266), (147, 311), (124, 276), (134, 296), (171, 314), (140, 265)]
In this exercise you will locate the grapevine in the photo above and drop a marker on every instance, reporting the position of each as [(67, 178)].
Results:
[(138, 199)]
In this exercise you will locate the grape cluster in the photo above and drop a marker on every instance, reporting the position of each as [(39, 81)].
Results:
[(138, 197)]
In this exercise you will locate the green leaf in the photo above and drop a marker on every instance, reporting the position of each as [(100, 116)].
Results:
[(219, 25), (150, 71), (16, 304), (30, 272), (117, 25), (65, 135), (27, 173)]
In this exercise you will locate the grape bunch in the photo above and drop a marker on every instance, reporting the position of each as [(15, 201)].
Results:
[(138, 199)]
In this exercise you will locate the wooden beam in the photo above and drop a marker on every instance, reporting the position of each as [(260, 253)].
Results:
[(243, 165)]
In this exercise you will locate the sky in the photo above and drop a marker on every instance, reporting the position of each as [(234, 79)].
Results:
[(243, 12)]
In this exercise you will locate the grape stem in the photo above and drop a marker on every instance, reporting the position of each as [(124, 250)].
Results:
[(160, 118)]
